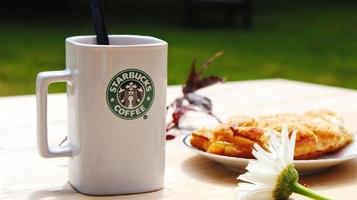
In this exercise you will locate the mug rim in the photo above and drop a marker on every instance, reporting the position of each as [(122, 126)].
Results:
[(152, 41)]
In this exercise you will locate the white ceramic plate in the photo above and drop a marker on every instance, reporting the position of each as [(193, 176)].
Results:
[(303, 166)]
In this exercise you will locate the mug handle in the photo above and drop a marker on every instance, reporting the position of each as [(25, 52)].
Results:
[(44, 79)]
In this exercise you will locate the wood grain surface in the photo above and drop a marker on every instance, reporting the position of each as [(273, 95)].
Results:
[(25, 175)]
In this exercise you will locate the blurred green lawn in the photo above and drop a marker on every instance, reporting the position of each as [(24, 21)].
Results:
[(308, 43)]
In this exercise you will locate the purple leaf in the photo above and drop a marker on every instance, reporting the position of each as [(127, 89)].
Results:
[(195, 81), (191, 101)]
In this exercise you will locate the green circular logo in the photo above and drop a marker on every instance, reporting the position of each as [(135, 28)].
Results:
[(130, 94)]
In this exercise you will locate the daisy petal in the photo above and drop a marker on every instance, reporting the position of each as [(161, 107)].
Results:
[(255, 193), (292, 145), (264, 179), (264, 172)]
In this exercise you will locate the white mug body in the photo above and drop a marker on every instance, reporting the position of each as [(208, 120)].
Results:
[(117, 139)]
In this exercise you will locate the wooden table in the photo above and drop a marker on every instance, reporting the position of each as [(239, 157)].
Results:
[(25, 175)]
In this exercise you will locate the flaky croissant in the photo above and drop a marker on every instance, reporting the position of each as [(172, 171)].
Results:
[(318, 132)]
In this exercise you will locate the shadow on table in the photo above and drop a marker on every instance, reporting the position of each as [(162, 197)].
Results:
[(208, 171), (67, 192), (338, 176), (53, 193)]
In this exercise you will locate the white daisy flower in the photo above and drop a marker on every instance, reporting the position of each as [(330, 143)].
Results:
[(273, 175)]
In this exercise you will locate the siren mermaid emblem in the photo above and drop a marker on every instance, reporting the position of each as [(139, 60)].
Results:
[(130, 94)]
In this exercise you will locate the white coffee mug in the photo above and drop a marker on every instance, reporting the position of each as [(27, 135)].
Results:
[(116, 114)]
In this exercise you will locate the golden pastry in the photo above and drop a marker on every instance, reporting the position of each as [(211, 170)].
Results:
[(318, 132)]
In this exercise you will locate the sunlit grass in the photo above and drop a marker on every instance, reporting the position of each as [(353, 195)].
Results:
[(311, 43)]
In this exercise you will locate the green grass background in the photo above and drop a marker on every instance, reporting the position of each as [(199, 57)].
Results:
[(308, 42)]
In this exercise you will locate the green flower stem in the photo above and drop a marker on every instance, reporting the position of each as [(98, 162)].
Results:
[(300, 189)]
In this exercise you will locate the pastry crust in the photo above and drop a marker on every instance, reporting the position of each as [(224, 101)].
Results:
[(318, 132)]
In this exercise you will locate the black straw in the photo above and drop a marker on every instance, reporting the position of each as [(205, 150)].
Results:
[(99, 21)]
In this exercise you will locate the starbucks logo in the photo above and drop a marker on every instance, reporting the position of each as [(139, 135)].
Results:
[(130, 94)]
